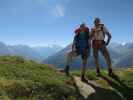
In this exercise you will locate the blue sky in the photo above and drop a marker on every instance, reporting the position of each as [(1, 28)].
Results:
[(47, 22)]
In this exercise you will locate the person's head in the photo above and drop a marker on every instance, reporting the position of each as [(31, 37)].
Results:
[(97, 21), (82, 25)]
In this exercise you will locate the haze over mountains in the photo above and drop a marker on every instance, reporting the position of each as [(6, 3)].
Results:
[(122, 56), (34, 53)]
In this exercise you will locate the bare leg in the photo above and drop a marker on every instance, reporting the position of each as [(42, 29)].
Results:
[(70, 57), (105, 53), (95, 54), (83, 68), (84, 64)]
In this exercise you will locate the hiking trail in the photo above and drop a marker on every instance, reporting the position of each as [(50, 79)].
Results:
[(91, 90)]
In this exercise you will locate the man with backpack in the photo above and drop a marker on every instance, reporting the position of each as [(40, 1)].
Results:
[(80, 46), (98, 33)]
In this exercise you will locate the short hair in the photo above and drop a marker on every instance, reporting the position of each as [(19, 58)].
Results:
[(96, 19), (83, 24)]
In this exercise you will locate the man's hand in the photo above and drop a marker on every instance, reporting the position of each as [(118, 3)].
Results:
[(109, 38), (107, 43)]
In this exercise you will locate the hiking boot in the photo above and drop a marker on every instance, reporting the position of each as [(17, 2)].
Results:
[(83, 79), (98, 72), (110, 72), (66, 70)]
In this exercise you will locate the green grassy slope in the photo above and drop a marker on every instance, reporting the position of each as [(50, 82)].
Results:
[(26, 80), (22, 79)]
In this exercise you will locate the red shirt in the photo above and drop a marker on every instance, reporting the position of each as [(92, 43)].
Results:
[(86, 30)]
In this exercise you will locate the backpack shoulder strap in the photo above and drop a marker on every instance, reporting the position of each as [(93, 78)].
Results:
[(77, 31), (102, 26)]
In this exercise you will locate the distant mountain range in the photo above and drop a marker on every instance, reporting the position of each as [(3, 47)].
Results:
[(121, 55), (33, 53)]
